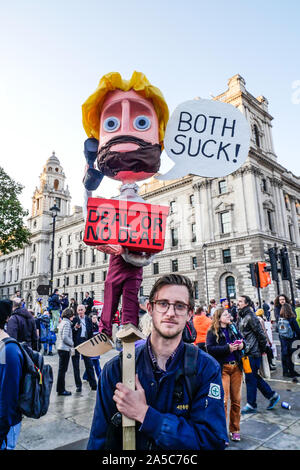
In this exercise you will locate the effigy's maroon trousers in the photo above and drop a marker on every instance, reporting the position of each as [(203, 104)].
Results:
[(122, 279)]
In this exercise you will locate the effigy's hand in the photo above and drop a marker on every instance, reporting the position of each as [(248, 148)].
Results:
[(111, 249)]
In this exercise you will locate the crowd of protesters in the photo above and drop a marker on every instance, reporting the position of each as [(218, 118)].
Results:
[(237, 335)]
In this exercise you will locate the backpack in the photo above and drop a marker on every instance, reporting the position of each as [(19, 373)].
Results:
[(187, 374), (189, 333), (284, 328), (36, 383)]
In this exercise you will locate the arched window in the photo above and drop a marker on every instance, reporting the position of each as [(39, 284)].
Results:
[(50, 168), (56, 184), (230, 287), (256, 135)]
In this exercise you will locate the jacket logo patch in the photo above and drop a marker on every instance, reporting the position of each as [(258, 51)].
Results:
[(214, 391)]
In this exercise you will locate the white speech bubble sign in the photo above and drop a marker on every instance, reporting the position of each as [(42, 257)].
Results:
[(206, 138)]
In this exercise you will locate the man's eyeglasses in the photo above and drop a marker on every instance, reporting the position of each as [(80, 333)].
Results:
[(180, 308)]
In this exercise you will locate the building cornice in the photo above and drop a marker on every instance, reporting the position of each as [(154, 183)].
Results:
[(164, 189)]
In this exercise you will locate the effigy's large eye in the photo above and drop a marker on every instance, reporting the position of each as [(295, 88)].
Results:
[(111, 124), (141, 123)]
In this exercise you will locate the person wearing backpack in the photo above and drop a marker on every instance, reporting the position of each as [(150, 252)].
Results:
[(224, 342), (11, 365), (288, 330), (178, 402), (21, 325)]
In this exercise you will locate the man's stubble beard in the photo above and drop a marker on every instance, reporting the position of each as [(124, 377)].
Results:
[(171, 336)]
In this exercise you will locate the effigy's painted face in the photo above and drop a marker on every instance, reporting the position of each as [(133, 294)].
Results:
[(129, 147)]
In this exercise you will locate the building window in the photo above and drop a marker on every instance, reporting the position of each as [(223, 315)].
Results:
[(287, 202), (230, 287), (33, 248), (81, 297), (225, 222), (264, 185), (69, 239), (174, 236), (196, 290), (59, 241), (297, 261), (80, 257), (105, 257), (256, 135), (172, 207), (194, 262), (93, 255), (56, 184), (82, 278), (80, 235), (67, 280), (59, 263), (226, 256), (193, 228), (270, 221), (92, 277), (58, 202), (76, 280), (155, 268), (57, 282), (76, 296), (104, 273), (291, 232), (222, 187), (192, 200), (174, 265), (32, 267), (68, 261)]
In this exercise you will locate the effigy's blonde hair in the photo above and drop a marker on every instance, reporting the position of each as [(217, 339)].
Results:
[(91, 108)]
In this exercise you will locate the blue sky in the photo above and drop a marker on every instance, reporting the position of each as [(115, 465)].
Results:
[(53, 53)]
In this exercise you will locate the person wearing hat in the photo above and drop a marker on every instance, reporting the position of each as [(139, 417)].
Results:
[(125, 121), (11, 364)]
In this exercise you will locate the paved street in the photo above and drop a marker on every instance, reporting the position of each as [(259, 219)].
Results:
[(67, 423)]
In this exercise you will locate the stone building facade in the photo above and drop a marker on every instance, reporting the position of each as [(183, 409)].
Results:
[(216, 226)]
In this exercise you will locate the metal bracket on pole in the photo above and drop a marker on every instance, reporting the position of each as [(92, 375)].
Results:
[(128, 335)]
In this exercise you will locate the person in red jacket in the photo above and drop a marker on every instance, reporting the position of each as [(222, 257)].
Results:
[(201, 323)]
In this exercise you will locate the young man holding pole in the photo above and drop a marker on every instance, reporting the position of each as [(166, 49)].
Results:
[(171, 409)]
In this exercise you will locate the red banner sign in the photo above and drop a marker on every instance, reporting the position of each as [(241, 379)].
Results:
[(135, 225)]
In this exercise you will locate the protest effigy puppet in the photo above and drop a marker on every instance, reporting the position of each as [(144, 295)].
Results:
[(127, 124)]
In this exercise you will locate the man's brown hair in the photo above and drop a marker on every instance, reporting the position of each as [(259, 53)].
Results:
[(171, 280)]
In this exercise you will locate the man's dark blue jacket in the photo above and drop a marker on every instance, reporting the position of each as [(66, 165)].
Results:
[(167, 425), (11, 363)]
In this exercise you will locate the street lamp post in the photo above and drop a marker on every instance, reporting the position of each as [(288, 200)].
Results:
[(204, 247), (54, 210)]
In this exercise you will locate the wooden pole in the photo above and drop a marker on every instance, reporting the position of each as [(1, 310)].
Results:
[(128, 335)]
